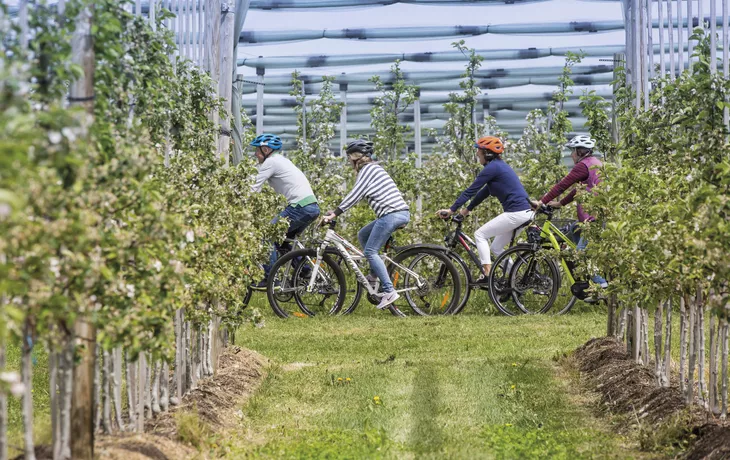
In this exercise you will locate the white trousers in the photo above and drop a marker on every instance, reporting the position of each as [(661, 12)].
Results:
[(501, 228)]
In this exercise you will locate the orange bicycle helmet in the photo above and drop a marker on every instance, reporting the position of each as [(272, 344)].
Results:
[(491, 143)]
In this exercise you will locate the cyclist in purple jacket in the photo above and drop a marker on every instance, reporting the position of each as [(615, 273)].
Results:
[(585, 171)]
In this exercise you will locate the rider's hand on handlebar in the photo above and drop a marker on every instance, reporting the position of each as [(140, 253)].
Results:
[(444, 213), (464, 212), (328, 217), (536, 204), (555, 204)]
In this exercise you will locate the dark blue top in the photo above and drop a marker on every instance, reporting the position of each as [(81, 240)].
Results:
[(496, 179)]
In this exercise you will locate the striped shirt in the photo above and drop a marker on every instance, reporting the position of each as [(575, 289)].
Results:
[(377, 186)]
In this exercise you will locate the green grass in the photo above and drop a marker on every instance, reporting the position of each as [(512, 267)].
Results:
[(470, 386)]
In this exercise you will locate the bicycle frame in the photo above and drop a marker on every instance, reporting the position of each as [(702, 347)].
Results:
[(467, 243), (352, 255), (549, 232)]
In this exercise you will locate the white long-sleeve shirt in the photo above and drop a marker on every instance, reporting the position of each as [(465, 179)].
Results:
[(375, 184), (285, 178)]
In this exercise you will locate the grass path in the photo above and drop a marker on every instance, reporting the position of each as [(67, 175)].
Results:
[(470, 386)]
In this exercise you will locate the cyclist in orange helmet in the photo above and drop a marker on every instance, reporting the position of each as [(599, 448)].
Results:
[(497, 179)]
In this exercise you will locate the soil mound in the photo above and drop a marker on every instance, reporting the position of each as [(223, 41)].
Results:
[(240, 373), (630, 389)]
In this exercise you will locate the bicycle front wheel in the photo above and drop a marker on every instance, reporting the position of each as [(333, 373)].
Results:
[(523, 281), (428, 282), (534, 282), (289, 289)]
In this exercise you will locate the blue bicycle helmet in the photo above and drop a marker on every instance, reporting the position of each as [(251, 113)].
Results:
[(269, 140)]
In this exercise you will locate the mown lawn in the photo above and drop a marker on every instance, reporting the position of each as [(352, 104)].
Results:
[(470, 386)]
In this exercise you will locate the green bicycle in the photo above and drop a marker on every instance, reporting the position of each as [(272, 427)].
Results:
[(527, 279)]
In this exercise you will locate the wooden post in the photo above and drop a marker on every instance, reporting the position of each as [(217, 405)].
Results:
[(225, 84), (619, 59), (643, 63), (304, 116), (260, 100), (713, 39), (82, 410), (690, 43), (23, 20), (3, 409), (660, 11), (343, 118), (650, 46), (152, 14), (670, 22), (680, 41), (418, 147), (725, 60), (212, 46)]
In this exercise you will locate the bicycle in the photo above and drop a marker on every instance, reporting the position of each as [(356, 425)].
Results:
[(531, 278), (455, 240), (296, 244), (426, 278)]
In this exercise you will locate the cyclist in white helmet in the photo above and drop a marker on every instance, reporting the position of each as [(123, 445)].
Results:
[(585, 171)]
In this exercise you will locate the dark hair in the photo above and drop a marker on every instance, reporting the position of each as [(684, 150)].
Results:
[(583, 152)]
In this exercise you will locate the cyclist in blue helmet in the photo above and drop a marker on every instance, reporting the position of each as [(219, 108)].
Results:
[(288, 180)]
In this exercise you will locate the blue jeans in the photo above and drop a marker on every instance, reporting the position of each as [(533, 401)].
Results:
[(374, 235), (580, 245), (299, 219)]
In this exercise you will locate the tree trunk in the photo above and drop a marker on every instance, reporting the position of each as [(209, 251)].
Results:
[(82, 399), (700, 348), (3, 412), (97, 389), (668, 347), (132, 393), (713, 365), (106, 421), (192, 353), (65, 396), (156, 388), (141, 379), (645, 358), (611, 318), (179, 378), (165, 387), (658, 362), (27, 379), (683, 344), (636, 343), (724, 338), (623, 318), (689, 396), (116, 390), (148, 385)]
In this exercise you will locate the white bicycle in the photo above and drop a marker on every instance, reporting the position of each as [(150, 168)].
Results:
[(311, 282)]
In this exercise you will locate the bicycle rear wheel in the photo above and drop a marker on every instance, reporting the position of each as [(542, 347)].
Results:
[(429, 283), (288, 283)]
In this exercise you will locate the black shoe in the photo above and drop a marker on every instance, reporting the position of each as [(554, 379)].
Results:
[(482, 282), (579, 289)]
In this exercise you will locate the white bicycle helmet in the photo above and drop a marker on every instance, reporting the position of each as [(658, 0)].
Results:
[(583, 141)]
